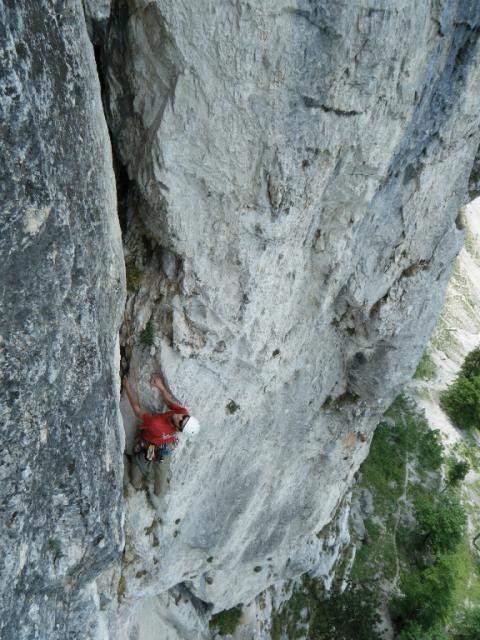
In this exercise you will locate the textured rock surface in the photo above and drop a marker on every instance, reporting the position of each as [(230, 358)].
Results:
[(290, 175), (61, 299), (294, 176)]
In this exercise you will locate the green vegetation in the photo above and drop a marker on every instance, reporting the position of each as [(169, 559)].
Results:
[(133, 275), (415, 632), (469, 450), (436, 570), (428, 445), (441, 520), (346, 399), (226, 621), (288, 619), (461, 401), (471, 364), (456, 471), (121, 588), (348, 615), (426, 369), (415, 557), (231, 407), (467, 586), (428, 595), (55, 549), (351, 615), (147, 335), (468, 625)]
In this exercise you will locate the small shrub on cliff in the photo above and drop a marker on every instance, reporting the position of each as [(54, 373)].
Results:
[(471, 364), (55, 549), (457, 470), (461, 401), (133, 275), (147, 335), (426, 369), (225, 622)]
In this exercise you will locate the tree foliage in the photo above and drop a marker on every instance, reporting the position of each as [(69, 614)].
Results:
[(430, 449), (457, 471), (427, 596), (226, 621), (351, 615), (441, 522), (461, 401), (468, 627), (415, 632), (471, 364)]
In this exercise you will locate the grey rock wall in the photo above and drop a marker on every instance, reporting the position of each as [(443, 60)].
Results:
[(62, 297), (290, 175), (295, 170)]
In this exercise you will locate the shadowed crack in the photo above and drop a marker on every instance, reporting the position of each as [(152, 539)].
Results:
[(312, 103)]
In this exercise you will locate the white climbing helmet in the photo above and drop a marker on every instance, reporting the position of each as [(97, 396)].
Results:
[(192, 427)]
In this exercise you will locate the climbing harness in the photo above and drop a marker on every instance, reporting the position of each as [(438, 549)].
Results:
[(152, 452)]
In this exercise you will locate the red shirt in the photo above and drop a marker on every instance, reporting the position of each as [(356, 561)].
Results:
[(157, 429)]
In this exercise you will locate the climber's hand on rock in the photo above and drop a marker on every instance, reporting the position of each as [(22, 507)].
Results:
[(125, 383), (156, 380)]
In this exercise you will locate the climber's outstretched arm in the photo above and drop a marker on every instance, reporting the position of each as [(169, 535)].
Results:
[(157, 381), (137, 410)]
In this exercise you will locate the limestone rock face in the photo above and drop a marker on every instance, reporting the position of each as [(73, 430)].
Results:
[(289, 176), (62, 299), (293, 173)]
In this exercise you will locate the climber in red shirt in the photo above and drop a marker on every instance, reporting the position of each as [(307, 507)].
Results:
[(162, 428), (159, 432)]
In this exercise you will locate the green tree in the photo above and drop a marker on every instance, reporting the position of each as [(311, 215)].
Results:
[(430, 449), (427, 596), (468, 627), (461, 401), (226, 621), (441, 522), (457, 471), (415, 632), (351, 615), (471, 364)]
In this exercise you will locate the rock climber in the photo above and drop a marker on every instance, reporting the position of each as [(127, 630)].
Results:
[(159, 432)]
